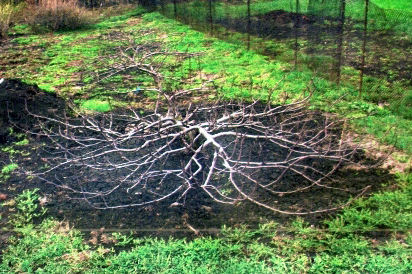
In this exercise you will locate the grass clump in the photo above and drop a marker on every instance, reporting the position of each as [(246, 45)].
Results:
[(9, 168), (27, 206), (59, 15), (403, 106), (96, 105)]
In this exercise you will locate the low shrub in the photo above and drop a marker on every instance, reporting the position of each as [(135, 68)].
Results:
[(8, 14), (59, 15)]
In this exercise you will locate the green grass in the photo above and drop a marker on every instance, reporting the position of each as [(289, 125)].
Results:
[(9, 168), (236, 66), (404, 5), (198, 11), (350, 242), (237, 69), (342, 244), (96, 105), (390, 210), (347, 243)]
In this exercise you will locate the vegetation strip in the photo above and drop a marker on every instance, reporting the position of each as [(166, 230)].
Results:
[(55, 247)]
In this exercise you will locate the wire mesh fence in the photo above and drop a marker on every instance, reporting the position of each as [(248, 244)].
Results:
[(357, 40)]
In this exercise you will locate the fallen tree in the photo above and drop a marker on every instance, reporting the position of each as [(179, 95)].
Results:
[(232, 151)]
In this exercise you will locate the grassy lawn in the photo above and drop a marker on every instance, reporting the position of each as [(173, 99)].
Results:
[(403, 5), (370, 236)]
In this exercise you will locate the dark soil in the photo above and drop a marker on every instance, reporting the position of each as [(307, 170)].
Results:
[(17, 99), (158, 219)]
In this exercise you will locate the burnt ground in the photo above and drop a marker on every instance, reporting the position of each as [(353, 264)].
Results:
[(160, 219), (17, 99), (388, 54)]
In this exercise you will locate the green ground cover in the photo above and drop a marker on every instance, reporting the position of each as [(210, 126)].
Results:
[(403, 5), (371, 236)]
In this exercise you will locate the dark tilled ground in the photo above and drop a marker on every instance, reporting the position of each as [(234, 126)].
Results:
[(161, 219)]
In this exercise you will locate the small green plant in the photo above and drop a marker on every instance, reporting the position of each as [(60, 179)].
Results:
[(27, 205), (22, 142), (11, 149), (96, 105), (123, 240), (364, 107), (9, 168), (241, 234)]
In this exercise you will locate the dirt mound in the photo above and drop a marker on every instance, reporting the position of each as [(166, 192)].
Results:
[(17, 100)]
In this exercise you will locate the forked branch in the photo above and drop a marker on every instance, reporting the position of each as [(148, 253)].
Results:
[(233, 151)]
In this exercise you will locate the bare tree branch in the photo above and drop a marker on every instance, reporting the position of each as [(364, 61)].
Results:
[(233, 151)]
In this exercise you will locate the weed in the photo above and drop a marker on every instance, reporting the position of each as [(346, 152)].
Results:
[(22, 142), (27, 205), (239, 235), (124, 240), (9, 203), (11, 149), (96, 105), (9, 168)]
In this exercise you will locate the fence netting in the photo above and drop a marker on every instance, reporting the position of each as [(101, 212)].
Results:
[(326, 35)]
